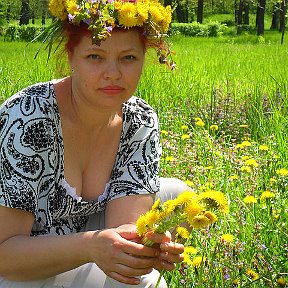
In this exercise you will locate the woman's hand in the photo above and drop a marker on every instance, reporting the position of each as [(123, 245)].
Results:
[(117, 254), (170, 252)]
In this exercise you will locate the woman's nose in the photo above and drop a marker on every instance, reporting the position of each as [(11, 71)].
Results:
[(112, 71)]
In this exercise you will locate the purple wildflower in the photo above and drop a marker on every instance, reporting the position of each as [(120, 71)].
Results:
[(71, 17), (109, 28)]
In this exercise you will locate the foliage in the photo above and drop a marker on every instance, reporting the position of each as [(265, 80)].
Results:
[(22, 33), (211, 29), (237, 87)]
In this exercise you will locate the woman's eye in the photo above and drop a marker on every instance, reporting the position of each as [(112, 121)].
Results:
[(130, 57), (94, 57)]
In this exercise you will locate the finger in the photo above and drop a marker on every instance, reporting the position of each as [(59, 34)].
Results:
[(137, 249), (172, 247), (164, 265), (123, 279), (128, 235), (137, 262), (167, 265), (159, 238), (172, 258), (130, 271)]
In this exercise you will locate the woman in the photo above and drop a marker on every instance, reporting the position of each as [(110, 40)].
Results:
[(79, 164)]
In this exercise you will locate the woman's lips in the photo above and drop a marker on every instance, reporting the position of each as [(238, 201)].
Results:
[(112, 89)]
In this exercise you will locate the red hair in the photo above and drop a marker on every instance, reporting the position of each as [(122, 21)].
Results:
[(74, 34)]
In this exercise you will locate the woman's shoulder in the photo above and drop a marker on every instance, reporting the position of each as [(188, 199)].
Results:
[(137, 105), (37, 97)]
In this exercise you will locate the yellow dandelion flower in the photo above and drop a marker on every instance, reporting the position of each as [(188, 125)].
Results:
[(199, 122), (185, 197), (156, 204), (246, 169), (211, 216), (152, 217), (189, 183), (263, 148), (214, 200), (191, 210), (182, 232), (198, 221), (155, 13), (252, 274), (164, 132), (170, 158), (282, 172), (168, 207), (72, 7), (251, 162), (142, 13), (218, 153), (58, 8), (245, 157), (197, 261), (249, 199), (189, 250), (281, 282), (227, 238), (267, 195), (208, 167), (273, 180), (236, 281), (184, 127), (233, 177), (185, 136), (243, 126), (276, 213), (246, 143), (118, 4), (127, 15), (214, 128), (167, 18), (239, 146), (141, 225)]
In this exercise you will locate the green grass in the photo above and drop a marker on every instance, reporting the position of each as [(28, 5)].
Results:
[(238, 84)]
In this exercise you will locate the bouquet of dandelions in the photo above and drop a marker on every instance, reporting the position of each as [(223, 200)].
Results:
[(198, 210)]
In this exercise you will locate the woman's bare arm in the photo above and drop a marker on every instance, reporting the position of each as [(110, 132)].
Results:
[(29, 258), (25, 258)]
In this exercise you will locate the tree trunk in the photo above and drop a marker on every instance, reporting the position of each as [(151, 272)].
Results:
[(246, 13), (8, 12), (182, 12), (282, 16), (275, 24), (24, 14), (200, 10), (283, 19), (43, 16), (240, 12), (260, 16), (236, 12)]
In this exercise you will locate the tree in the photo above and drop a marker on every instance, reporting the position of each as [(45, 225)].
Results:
[(283, 19), (24, 14), (246, 12), (242, 16), (276, 16), (260, 16), (200, 10)]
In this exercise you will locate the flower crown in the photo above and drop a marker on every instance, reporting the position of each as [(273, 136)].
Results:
[(102, 16)]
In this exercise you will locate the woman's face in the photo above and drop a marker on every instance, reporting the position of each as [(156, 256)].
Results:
[(107, 75)]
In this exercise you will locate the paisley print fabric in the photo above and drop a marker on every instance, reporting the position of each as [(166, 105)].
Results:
[(32, 163)]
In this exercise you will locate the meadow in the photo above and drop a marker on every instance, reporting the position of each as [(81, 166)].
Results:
[(224, 127)]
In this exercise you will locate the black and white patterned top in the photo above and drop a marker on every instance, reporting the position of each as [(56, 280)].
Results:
[(32, 160)]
